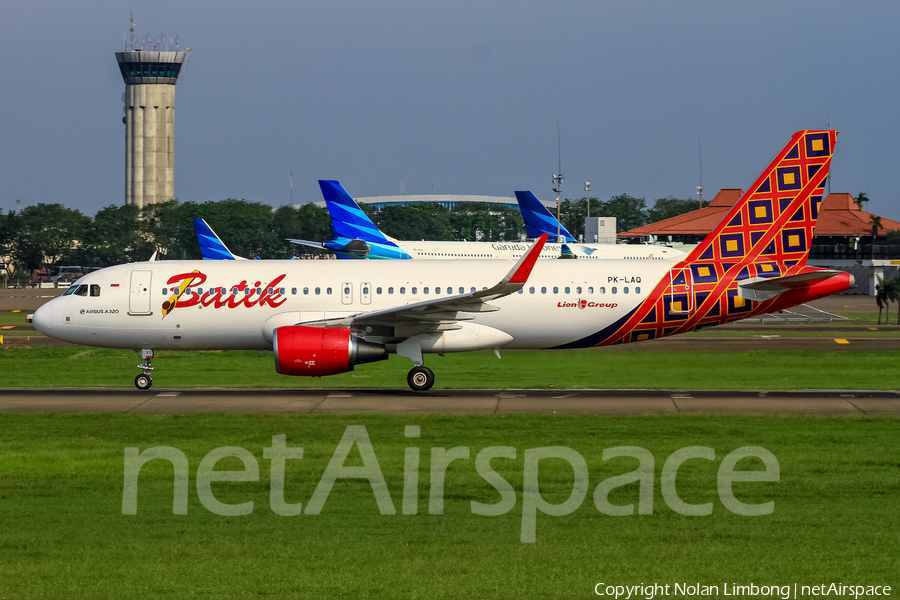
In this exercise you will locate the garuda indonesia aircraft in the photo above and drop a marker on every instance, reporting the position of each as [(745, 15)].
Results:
[(323, 317), (354, 235), (539, 220)]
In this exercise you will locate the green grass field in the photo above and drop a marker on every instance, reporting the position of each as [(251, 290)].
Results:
[(63, 535), (90, 367)]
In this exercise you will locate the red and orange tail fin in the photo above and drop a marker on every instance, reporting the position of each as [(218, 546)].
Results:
[(774, 220)]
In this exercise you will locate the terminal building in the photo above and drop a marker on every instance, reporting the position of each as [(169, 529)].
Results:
[(150, 69)]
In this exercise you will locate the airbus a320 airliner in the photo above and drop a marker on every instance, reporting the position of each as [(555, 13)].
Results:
[(324, 317)]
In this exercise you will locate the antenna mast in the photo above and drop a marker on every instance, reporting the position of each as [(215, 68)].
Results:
[(558, 179), (700, 187)]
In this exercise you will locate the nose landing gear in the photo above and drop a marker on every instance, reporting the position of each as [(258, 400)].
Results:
[(144, 381)]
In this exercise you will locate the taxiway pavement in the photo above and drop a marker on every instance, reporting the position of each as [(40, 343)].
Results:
[(306, 401)]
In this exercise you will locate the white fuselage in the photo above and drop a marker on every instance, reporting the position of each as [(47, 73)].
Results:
[(514, 250), (562, 301)]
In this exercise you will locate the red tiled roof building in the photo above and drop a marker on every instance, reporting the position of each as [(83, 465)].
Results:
[(840, 220)]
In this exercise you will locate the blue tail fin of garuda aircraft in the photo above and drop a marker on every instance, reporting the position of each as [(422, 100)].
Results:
[(753, 262), (538, 219), (353, 234), (211, 246)]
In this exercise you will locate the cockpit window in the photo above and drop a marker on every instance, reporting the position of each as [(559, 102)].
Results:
[(95, 290), (81, 290), (71, 290)]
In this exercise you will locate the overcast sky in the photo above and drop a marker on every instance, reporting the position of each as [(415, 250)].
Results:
[(458, 97)]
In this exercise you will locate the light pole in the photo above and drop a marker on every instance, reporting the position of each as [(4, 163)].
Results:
[(557, 182), (587, 188)]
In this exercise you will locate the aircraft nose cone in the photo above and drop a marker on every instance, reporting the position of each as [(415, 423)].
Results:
[(43, 319)]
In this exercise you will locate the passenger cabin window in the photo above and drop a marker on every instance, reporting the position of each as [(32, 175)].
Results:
[(402, 290), (318, 291), (425, 291), (165, 291), (293, 291), (415, 291), (328, 291), (637, 290), (390, 290), (591, 290), (378, 291), (602, 290)]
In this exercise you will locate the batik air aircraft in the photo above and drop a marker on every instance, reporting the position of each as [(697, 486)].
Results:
[(323, 317), (354, 235)]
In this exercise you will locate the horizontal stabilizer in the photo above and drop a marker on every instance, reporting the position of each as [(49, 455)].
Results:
[(760, 288), (307, 243)]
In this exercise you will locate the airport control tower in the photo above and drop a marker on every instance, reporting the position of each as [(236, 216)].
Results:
[(151, 69)]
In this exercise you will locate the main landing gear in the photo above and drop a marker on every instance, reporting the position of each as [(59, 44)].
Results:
[(420, 378), (144, 381)]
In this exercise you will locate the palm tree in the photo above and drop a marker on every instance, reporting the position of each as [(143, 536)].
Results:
[(860, 200), (893, 295), (881, 297), (875, 222)]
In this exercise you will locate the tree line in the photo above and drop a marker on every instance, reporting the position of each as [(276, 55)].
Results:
[(44, 235)]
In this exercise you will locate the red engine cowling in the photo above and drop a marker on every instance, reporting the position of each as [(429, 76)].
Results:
[(317, 351)]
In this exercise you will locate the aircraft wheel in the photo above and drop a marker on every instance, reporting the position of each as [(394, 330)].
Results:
[(143, 382), (420, 379)]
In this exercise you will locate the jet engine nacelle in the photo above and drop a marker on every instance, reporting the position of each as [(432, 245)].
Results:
[(317, 351)]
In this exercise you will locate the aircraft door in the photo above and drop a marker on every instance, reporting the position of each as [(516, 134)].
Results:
[(139, 293), (681, 292), (346, 293), (365, 292)]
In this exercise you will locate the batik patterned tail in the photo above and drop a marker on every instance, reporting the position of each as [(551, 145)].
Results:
[(765, 236), (774, 220)]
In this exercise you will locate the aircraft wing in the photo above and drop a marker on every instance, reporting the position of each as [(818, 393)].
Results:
[(441, 314), (761, 288)]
